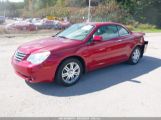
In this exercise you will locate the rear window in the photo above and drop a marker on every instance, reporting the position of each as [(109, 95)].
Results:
[(122, 31)]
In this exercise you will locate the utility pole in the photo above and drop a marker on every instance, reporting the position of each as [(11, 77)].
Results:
[(89, 11)]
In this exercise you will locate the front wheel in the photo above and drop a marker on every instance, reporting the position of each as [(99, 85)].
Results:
[(135, 56), (69, 72)]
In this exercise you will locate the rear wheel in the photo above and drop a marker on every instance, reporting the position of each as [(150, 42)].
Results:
[(135, 56), (69, 72)]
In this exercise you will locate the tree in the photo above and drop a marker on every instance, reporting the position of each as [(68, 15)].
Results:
[(144, 11), (148, 11), (75, 3)]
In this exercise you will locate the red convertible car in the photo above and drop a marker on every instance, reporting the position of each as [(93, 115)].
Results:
[(80, 48)]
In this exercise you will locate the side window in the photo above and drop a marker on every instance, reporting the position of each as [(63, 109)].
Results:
[(122, 31), (107, 32)]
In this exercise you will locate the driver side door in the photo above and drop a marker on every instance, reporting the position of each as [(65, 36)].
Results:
[(105, 52)]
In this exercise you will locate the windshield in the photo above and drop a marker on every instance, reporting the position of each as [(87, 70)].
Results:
[(76, 31)]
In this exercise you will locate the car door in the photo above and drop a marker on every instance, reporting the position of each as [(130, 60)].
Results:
[(107, 51), (125, 41)]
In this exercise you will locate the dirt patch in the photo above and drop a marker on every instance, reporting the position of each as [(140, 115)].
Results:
[(11, 34), (2, 30)]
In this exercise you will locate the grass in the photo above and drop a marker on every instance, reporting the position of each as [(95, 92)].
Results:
[(153, 30), (144, 28)]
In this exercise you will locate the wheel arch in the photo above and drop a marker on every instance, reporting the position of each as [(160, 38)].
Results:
[(74, 57), (141, 48)]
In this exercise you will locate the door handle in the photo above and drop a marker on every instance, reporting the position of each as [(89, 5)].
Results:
[(119, 40)]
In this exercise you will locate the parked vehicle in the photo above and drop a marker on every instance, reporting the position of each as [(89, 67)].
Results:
[(53, 24), (38, 23), (28, 20), (21, 25), (48, 24), (80, 48), (2, 19), (35, 20), (63, 24)]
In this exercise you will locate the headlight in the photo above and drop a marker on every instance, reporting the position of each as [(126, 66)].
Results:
[(38, 58)]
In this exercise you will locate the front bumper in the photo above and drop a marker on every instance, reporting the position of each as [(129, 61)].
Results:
[(34, 73), (145, 46)]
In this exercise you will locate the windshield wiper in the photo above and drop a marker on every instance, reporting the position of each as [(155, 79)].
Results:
[(63, 37), (56, 34)]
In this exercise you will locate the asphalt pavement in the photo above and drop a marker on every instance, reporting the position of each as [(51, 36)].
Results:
[(120, 90)]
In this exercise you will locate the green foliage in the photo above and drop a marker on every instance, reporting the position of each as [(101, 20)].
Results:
[(75, 3), (53, 11), (109, 11), (142, 27), (124, 11), (144, 11), (146, 26), (10, 9)]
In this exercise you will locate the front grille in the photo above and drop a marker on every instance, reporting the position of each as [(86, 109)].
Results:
[(19, 56)]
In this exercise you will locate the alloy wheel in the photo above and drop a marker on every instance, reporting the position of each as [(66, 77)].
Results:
[(136, 55), (71, 72)]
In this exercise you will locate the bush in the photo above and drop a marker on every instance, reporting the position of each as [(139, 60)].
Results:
[(130, 27), (109, 11), (138, 26), (146, 26)]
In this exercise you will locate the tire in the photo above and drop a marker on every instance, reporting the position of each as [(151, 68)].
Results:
[(67, 75), (135, 56)]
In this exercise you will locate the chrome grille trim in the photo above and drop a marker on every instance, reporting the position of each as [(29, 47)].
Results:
[(19, 56)]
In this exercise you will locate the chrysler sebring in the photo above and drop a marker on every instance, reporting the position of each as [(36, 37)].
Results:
[(78, 49)]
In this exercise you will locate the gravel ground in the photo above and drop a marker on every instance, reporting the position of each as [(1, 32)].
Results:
[(119, 90)]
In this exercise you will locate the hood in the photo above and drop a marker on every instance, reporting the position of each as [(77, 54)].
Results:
[(52, 43)]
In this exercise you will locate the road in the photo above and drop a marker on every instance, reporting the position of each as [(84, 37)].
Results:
[(120, 90)]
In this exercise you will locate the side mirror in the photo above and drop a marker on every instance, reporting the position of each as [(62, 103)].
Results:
[(97, 38)]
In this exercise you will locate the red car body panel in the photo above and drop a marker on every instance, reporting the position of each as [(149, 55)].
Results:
[(94, 55), (24, 26)]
